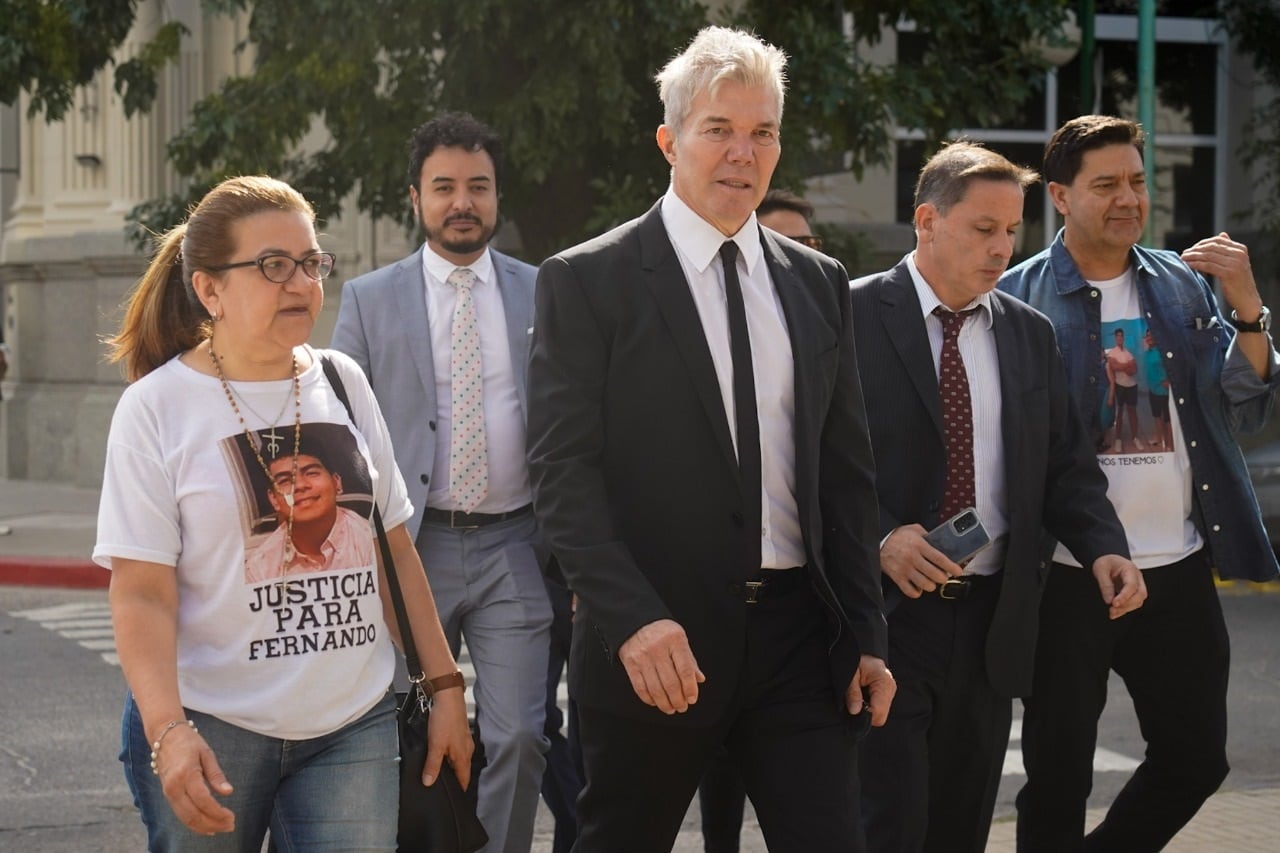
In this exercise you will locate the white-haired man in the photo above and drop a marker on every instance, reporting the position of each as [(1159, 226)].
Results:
[(701, 469)]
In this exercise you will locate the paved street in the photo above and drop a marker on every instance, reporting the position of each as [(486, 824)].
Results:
[(61, 788)]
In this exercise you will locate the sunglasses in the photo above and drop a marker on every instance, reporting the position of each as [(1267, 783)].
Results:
[(813, 241)]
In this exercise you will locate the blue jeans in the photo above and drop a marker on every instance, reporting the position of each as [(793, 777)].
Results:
[(335, 792)]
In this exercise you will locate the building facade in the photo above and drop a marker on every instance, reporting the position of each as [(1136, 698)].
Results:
[(66, 265), (66, 187)]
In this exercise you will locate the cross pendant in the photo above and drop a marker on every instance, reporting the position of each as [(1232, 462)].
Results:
[(273, 441)]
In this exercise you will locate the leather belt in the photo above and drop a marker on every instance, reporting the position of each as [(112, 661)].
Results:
[(958, 589), (459, 520), (770, 584)]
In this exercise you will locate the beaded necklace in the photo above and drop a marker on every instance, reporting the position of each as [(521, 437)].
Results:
[(254, 443), (273, 442)]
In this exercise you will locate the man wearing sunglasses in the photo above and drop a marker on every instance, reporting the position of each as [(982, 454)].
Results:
[(789, 215), (443, 336)]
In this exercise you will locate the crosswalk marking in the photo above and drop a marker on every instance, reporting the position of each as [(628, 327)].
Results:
[(89, 625), (1104, 760)]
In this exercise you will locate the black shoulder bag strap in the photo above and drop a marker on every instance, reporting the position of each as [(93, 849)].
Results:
[(416, 674)]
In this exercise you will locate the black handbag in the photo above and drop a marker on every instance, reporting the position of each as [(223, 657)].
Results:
[(442, 818)]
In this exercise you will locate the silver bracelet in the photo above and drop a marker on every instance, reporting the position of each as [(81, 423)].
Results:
[(155, 747)]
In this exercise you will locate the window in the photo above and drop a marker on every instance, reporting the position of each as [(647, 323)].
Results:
[(1189, 151)]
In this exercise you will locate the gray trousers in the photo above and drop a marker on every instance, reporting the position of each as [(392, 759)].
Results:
[(488, 589)]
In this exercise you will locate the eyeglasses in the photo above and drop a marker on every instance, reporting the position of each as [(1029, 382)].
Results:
[(279, 268), (813, 241)]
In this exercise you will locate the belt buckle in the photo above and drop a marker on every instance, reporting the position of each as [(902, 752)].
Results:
[(453, 525), (753, 591), (960, 585)]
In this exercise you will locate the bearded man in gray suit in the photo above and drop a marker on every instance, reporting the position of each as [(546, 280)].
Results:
[(443, 336)]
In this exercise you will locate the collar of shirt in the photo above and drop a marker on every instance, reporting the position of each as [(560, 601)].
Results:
[(699, 241), (437, 269), (1066, 275), (982, 365), (929, 300)]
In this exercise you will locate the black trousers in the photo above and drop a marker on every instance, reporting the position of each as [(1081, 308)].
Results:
[(562, 780), (787, 734), (930, 776), (1174, 658), (722, 800)]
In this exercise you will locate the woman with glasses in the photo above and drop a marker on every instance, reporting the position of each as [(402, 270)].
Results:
[(258, 700)]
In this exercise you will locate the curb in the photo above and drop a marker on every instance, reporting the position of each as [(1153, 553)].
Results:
[(53, 572), (1235, 587)]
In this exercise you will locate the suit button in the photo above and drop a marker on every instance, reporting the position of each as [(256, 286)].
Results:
[(432, 425), (424, 478), (933, 506), (738, 520)]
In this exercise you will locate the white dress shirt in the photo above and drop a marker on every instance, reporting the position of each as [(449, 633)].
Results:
[(977, 343), (697, 245), (503, 417)]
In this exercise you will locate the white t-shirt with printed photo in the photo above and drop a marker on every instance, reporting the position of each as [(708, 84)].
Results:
[(1141, 448), (293, 656)]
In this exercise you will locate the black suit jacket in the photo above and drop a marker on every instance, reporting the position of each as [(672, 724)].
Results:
[(634, 474), (1051, 470)]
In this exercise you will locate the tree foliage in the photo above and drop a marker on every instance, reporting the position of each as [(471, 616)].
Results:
[(568, 85), (571, 96), (1255, 27), (49, 48), (972, 66)]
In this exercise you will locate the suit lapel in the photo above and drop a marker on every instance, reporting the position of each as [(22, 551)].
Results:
[(799, 313), (904, 326), (791, 293), (663, 275), (411, 298), (1011, 358), (517, 305)]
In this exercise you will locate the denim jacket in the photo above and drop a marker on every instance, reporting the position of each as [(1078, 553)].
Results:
[(1215, 388)]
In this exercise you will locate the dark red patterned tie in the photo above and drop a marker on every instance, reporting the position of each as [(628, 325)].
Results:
[(957, 414)]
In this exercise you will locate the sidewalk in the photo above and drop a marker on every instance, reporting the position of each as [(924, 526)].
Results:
[(52, 528), (51, 533), (1230, 822)]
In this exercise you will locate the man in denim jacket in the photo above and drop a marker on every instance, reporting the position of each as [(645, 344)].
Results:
[(1187, 510)]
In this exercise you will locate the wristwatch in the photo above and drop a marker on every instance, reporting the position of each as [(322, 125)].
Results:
[(1262, 324), (443, 682)]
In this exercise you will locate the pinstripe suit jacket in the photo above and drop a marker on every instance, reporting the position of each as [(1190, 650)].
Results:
[(1051, 471)]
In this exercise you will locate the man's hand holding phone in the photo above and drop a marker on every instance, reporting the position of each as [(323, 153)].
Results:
[(920, 560)]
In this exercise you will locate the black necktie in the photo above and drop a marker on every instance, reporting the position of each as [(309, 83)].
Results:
[(744, 406), (957, 414)]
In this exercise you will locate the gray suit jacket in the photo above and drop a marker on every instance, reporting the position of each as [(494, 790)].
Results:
[(382, 324)]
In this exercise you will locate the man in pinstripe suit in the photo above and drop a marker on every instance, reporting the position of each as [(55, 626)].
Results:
[(1008, 443)]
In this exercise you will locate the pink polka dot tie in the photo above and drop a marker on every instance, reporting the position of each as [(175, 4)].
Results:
[(957, 414), (468, 449)]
